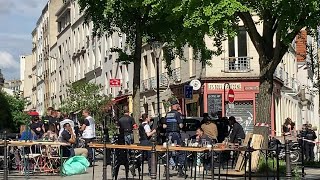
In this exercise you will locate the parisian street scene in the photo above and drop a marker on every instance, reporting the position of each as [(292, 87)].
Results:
[(159, 89)]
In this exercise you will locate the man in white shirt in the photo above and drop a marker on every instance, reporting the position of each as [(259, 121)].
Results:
[(88, 129)]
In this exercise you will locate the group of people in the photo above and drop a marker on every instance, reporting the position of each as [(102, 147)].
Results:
[(57, 126), (172, 124), (306, 137)]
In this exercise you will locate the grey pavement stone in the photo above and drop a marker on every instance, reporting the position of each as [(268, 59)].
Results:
[(311, 173)]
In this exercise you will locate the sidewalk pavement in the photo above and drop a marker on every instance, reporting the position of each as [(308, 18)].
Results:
[(311, 173)]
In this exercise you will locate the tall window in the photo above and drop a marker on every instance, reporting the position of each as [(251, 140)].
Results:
[(238, 44), (238, 51)]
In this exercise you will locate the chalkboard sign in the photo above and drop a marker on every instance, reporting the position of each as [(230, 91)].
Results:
[(214, 103)]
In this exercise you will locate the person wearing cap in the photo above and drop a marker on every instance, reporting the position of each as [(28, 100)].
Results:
[(173, 124)]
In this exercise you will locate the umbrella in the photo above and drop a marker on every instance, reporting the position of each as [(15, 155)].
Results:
[(33, 113)]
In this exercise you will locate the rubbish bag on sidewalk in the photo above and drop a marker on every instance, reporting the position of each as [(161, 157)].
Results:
[(75, 165)]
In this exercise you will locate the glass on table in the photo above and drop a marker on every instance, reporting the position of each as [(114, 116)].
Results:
[(186, 141), (204, 142)]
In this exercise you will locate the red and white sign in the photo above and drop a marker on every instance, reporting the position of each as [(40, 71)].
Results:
[(115, 83), (231, 96)]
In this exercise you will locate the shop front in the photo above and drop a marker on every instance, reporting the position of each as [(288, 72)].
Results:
[(189, 107), (243, 108)]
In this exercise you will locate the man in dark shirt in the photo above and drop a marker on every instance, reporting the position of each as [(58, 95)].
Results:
[(37, 127), (200, 137), (236, 131), (173, 125), (49, 119), (125, 125), (68, 136)]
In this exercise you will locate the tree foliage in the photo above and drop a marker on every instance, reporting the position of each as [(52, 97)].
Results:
[(281, 22), (82, 95), (11, 110)]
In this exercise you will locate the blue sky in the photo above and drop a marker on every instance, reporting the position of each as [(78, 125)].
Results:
[(17, 19)]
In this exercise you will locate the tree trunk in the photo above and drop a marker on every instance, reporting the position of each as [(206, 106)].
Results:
[(136, 76), (264, 103)]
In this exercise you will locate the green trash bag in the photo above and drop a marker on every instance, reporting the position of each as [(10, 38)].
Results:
[(75, 165)]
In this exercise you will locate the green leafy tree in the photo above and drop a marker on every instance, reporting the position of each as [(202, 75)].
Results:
[(141, 21), (81, 95), (281, 22), (11, 110)]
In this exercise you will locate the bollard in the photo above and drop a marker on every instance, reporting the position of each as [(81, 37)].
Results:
[(5, 154), (153, 173), (288, 161), (250, 162), (167, 162), (104, 169), (302, 159), (278, 164)]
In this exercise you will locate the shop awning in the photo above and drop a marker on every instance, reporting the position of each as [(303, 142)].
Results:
[(33, 113)]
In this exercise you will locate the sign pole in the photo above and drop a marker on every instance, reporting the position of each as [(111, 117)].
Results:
[(224, 98), (188, 93)]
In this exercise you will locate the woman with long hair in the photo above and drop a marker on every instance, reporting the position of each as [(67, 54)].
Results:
[(27, 133)]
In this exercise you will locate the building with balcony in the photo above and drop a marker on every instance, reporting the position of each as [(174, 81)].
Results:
[(182, 73), (77, 55), (236, 68)]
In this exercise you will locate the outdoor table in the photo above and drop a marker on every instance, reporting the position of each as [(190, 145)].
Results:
[(25, 143), (159, 148)]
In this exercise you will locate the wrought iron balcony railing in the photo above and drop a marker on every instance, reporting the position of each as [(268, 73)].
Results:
[(237, 64)]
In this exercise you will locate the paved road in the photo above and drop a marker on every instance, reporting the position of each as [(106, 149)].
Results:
[(312, 174)]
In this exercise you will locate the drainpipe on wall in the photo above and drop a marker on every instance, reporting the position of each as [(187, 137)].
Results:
[(304, 103)]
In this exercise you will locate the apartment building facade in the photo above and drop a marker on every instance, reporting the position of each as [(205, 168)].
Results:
[(236, 68), (73, 54), (79, 56), (26, 81)]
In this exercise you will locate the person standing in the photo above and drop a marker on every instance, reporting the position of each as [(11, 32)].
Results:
[(88, 129), (49, 118), (125, 125), (310, 136), (145, 134), (173, 125)]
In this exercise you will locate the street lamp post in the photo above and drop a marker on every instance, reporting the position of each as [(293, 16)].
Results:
[(156, 48), (224, 98)]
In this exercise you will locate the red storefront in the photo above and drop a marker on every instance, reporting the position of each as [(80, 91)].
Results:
[(244, 108)]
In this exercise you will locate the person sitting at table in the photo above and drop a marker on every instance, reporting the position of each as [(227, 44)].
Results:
[(27, 134), (200, 137), (237, 133), (209, 128), (37, 126), (51, 134), (68, 136)]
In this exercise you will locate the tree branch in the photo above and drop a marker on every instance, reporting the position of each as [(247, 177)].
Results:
[(252, 31)]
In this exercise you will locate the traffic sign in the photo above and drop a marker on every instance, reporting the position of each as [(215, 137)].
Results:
[(188, 91), (231, 96), (115, 83)]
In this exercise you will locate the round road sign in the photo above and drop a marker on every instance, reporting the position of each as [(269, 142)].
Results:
[(231, 96)]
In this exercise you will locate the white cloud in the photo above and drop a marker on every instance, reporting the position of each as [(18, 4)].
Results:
[(7, 61), (25, 7)]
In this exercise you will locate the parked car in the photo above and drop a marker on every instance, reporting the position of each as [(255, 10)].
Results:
[(191, 124)]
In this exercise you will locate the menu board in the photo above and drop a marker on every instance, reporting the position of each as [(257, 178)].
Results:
[(214, 103)]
